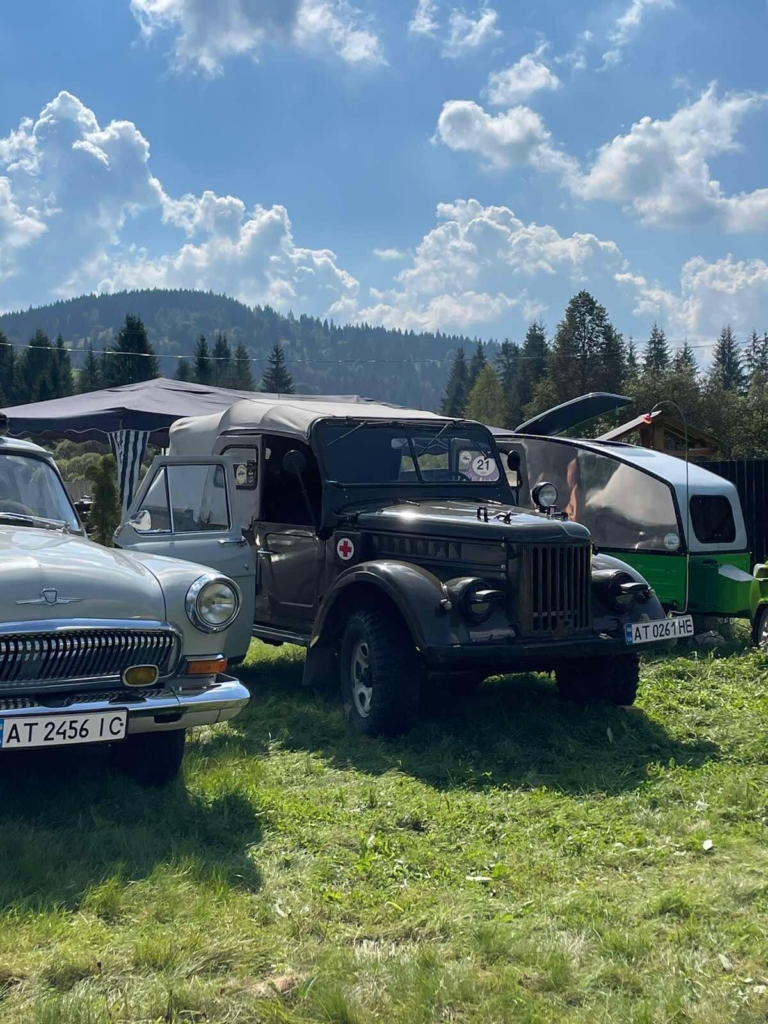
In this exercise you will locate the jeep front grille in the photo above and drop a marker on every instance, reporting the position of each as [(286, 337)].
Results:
[(72, 657), (557, 589)]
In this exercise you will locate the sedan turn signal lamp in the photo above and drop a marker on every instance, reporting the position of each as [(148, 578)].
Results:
[(206, 666)]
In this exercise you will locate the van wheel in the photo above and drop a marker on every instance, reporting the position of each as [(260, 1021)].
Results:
[(761, 628), (150, 758), (380, 673), (599, 680)]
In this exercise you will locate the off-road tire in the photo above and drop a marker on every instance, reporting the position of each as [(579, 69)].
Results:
[(394, 674), (599, 680), (761, 627), (151, 758)]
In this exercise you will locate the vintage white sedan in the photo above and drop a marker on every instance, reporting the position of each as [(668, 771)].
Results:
[(101, 646)]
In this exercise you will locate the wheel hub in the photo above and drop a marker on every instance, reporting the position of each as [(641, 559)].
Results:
[(362, 690)]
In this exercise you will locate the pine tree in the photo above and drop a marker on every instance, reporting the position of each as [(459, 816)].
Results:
[(36, 365), (727, 372), (64, 366), (242, 376), (203, 370), (89, 378), (587, 352), (7, 372), (486, 401), (105, 514), (633, 366), (183, 371), (222, 360), (657, 357), (757, 360), (456, 388), (685, 361), (130, 358), (476, 364), (534, 358), (508, 370), (276, 379)]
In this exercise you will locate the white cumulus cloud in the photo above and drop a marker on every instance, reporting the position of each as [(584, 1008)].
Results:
[(660, 169), (710, 294), (68, 186), (518, 83), (389, 254), (467, 33), (424, 21), (628, 25), (206, 34), (481, 261)]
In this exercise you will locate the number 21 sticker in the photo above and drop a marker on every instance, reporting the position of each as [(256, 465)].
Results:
[(484, 465)]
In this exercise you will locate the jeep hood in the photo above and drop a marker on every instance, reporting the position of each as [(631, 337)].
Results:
[(467, 519), (89, 581)]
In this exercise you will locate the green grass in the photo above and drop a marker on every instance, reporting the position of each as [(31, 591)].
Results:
[(512, 859)]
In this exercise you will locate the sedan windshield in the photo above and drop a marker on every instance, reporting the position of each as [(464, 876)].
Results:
[(369, 453), (30, 488)]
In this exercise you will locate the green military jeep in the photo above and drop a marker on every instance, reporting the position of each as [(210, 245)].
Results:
[(388, 543)]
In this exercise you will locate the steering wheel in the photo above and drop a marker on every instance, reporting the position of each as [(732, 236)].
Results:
[(15, 507)]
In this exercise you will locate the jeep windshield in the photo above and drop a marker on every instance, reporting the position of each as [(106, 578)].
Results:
[(408, 453), (31, 494)]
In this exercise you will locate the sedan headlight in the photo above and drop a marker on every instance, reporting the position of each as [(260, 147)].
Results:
[(213, 603)]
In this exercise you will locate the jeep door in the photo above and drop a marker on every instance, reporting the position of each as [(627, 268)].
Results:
[(190, 507)]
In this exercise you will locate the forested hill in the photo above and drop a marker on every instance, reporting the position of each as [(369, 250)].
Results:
[(323, 358)]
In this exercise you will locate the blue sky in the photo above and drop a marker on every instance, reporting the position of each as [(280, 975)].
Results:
[(416, 163)]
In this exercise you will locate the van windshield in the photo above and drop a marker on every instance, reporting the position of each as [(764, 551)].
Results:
[(372, 453)]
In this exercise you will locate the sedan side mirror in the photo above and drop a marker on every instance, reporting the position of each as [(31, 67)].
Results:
[(142, 521)]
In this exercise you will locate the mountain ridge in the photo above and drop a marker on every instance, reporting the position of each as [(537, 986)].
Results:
[(324, 357)]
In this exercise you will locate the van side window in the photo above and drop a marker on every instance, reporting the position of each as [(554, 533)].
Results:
[(282, 498), (712, 519)]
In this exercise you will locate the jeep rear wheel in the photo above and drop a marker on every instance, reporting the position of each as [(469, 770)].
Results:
[(150, 758), (380, 673), (599, 680)]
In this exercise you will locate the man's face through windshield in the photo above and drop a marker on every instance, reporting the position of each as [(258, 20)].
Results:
[(405, 454)]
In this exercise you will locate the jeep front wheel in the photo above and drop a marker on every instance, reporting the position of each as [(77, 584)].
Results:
[(150, 758), (599, 680), (380, 673)]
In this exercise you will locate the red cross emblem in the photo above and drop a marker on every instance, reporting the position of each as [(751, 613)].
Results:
[(345, 549)]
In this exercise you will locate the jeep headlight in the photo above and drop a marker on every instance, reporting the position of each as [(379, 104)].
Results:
[(212, 603), (474, 597)]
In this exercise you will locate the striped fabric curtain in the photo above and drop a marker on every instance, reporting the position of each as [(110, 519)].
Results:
[(129, 447)]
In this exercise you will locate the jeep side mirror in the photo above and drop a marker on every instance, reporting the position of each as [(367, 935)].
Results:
[(513, 465), (294, 462)]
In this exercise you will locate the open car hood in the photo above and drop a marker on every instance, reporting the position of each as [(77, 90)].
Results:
[(571, 414)]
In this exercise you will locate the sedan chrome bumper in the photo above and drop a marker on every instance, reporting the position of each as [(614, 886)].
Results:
[(182, 704)]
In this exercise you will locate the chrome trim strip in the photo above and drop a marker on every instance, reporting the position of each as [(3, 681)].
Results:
[(62, 625)]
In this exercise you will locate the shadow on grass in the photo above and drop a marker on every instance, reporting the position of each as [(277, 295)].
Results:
[(512, 732), (68, 823)]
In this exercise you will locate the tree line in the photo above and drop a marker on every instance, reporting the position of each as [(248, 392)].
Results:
[(506, 385), (43, 370)]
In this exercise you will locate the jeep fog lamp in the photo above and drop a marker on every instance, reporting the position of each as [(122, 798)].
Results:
[(212, 603), (545, 495)]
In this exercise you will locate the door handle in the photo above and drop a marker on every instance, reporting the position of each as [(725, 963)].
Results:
[(231, 540)]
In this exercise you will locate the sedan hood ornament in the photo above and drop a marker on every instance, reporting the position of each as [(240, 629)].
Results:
[(51, 597)]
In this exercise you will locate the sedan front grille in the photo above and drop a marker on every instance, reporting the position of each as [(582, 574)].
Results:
[(72, 657), (558, 588)]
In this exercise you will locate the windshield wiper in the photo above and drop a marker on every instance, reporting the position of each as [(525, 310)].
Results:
[(441, 431), (33, 520), (364, 423)]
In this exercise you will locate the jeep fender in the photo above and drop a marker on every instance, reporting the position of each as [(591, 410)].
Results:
[(415, 593)]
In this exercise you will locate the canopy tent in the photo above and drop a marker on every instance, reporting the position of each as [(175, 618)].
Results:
[(132, 416)]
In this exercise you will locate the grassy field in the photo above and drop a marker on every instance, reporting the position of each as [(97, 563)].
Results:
[(512, 859)]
